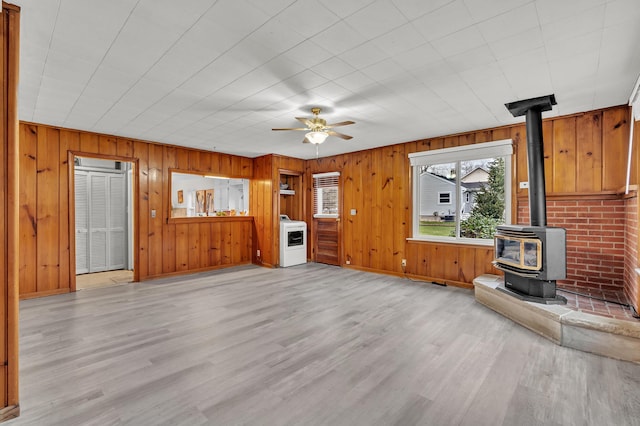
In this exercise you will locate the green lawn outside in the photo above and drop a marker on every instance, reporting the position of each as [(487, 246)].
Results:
[(441, 229)]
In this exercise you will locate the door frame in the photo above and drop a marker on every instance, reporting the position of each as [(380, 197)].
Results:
[(313, 220), (300, 207), (71, 155)]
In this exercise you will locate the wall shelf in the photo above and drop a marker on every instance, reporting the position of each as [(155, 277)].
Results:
[(287, 192)]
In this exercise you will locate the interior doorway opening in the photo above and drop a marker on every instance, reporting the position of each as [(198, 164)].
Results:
[(104, 225)]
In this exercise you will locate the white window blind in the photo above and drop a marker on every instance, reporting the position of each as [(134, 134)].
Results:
[(325, 194)]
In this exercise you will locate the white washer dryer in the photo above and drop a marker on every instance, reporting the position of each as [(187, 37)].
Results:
[(293, 241)]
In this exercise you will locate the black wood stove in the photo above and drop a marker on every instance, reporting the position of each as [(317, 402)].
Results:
[(532, 257)]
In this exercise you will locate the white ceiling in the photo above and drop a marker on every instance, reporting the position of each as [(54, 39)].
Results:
[(218, 75)]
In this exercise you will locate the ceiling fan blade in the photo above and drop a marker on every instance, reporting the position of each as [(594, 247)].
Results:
[(299, 128), (342, 123), (340, 135), (305, 121)]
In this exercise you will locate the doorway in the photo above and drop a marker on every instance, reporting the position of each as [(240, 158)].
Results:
[(103, 222), (326, 218)]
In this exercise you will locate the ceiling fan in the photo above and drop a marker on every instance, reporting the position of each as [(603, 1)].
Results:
[(317, 128)]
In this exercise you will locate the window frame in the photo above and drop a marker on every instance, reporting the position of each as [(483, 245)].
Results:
[(174, 187), (319, 190), (495, 149), (442, 203)]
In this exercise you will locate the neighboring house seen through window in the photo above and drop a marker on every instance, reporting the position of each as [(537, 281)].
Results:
[(461, 193)]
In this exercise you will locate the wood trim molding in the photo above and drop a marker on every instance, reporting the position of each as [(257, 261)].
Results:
[(9, 412), (437, 281), (633, 192), (72, 220), (210, 219), (412, 277), (72, 213), (44, 293), (11, 36), (194, 271), (158, 144), (577, 196)]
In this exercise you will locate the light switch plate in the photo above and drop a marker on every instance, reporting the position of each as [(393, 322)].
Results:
[(524, 185)]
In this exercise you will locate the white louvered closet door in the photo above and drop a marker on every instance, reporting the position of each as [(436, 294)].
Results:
[(117, 222), (98, 224), (101, 246), (82, 222)]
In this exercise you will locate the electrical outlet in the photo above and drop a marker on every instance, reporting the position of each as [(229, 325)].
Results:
[(258, 253), (404, 262)]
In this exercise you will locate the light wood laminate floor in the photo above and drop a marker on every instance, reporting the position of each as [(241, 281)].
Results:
[(103, 279), (306, 345)]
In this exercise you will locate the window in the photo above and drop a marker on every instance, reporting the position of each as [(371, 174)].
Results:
[(325, 194), (461, 193), (197, 195), (444, 197)]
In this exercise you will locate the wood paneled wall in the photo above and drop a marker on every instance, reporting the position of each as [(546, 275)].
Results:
[(585, 155), (264, 211), (164, 246), (9, 249), (265, 202)]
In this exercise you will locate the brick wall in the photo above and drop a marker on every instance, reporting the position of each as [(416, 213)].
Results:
[(595, 241), (631, 249)]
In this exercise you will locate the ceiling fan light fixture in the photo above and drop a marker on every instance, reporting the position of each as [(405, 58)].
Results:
[(317, 137)]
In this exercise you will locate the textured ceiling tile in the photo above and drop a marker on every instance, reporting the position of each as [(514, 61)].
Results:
[(364, 55), (339, 38), (478, 59), (333, 68), (226, 72), (554, 10), (345, 8), (575, 25), (376, 19), (307, 17), (517, 44), (482, 10), (308, 54), (444, 21), (418, 57), (400, 39), (515, 21), (622, 12), (461, 41), (413, 9)]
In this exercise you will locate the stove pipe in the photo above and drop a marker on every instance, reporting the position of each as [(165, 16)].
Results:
[(533, 109)]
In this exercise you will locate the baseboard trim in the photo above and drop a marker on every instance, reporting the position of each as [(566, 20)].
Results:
[(412, 277), (435, 280), (193, 271), (10, 412), (44, 293)]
